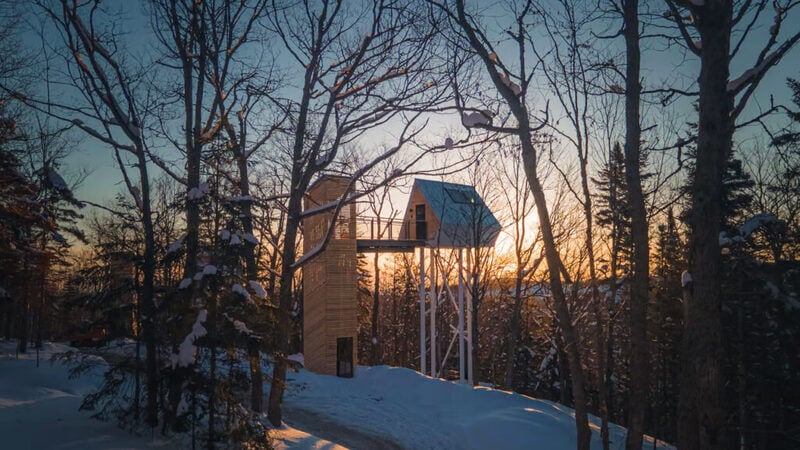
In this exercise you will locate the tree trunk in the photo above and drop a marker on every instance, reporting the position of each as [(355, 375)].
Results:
[(251, 269), (701, 416), (559, 299), (146, 300), (513, 331), (285, 304), (640, 281), (24, 324)]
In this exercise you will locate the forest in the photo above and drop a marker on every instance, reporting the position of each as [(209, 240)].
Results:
[(641, 156)]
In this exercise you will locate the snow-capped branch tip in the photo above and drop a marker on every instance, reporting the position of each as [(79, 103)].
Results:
[(176, 246), (686, 279), (749, 75), (747, 228), (471, 119), (198, 192), (187, 352)]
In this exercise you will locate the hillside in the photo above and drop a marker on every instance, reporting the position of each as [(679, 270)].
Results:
[(381, 407)]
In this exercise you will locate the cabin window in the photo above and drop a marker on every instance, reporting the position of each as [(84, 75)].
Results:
[(343, 224), (461, 195), (421, 223)]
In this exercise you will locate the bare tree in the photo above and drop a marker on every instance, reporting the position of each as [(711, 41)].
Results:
[(512, 86), (515, 197), (361, 68), (640, 279), (111, 108)]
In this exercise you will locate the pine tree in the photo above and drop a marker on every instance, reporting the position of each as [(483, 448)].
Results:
[(364, 282), (665, 322), (613, 210), (20, 216)]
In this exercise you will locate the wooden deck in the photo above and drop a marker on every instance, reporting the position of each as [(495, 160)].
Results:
[(388, 245)]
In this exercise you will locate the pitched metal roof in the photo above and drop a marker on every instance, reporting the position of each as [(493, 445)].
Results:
[(461, 212)]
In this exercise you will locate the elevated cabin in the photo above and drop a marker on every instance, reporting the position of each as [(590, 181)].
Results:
[(449, 215), (439, 214), (330, 292)]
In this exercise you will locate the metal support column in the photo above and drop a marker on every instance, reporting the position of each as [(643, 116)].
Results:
[(461, 361), (433, 300), (422, 349), (470, 350)]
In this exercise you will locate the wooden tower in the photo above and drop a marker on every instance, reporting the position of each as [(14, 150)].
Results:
[(330, 292)]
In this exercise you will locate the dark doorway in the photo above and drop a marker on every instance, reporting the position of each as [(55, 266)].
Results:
[(344, 357), (422, 225)]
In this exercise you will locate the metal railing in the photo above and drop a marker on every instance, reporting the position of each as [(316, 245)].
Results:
[(383, 228)]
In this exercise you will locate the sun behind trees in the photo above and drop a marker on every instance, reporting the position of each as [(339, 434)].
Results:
[(155, 160)]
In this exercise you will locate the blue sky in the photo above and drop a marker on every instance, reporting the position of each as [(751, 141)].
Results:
[(659, 66)]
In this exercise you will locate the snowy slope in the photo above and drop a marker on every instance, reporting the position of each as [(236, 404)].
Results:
[(420, 412), (39, 406), (39, 410)]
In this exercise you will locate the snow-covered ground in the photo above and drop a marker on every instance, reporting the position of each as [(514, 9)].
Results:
[(286, 438), (418, 412), (380, 406), (39, 406)]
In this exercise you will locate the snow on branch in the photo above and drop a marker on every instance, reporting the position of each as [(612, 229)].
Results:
[(240, 290), (512, 85), (686, 278), (309, 255), (240, 198), (196, 193), (249, 237), (747, 228), (476, 118), (176, 246), (187, 352), (258, 289), (750, 74), (756, 222), (241, 327), (57, 181)]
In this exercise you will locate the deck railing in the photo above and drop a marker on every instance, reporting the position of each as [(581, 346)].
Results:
[(382, 228)]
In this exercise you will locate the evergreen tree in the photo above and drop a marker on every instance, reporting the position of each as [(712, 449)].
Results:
[(736, 199), (665, 322), (364, 282), (20, 215), (613, 210)]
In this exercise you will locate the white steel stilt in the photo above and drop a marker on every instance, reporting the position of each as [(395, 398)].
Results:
[(433, 299), (461, 361), (470, 284), (422, 349)]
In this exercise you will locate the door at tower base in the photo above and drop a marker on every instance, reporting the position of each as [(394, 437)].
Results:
[(344, 357)]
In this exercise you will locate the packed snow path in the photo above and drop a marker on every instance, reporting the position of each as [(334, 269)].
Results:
[(325, 428)]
